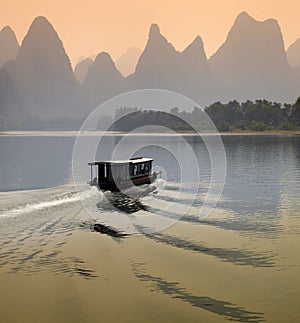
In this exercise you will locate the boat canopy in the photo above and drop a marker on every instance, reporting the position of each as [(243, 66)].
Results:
[(137, 160)]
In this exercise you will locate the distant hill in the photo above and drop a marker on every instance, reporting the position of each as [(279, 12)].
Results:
[(252, 62), (126, 63), (293, 54), (11, 112), (82, 68), (161, 66), (42, 72), (103, 80), (9, 45), (158, 63), (38, 88), (197, 81)]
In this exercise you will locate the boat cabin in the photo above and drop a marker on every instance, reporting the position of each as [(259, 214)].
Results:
[(115, 175)]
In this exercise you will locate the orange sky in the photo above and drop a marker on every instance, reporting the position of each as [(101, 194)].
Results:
[(90, 26)]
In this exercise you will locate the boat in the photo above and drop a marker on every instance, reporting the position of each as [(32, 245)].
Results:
[(116, 175)]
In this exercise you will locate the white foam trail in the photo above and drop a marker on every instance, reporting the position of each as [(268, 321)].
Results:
[(28, 208)]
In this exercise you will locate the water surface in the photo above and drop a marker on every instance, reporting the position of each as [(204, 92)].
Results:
[(240, 264)]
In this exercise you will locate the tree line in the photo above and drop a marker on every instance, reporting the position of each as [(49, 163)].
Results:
[(259, 115)]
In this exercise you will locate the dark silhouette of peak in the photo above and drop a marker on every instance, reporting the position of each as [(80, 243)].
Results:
[(195, 74), (244, 20), (197, 42), (156, 39), (103, 79), (39, 23), (154, 30), (247, 26), (37, 78), (42, 54), (196, 50), (43, 43), (161, 66), (8, 33), (158, 54), (9, 45), (42, 72), (194, 60), (42, 60), (253, 59), (7, 30), (244, 17), (40, 36), (41, 27), (293, 54), (247, 29), (104, 59), (82, 68), (40, 20), (103, 65)]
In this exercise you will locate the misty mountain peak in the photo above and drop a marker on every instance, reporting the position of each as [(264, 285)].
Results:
[(82, 68), (103, 80), (104, 58), (127, 62), (40, 20), (8, 45), (103, 65), (247, 24), (157, 40), (195, 51), (42, 51), (42, 71), (7, 32), (41, 34), (244, 17), (251, 43), (196, 44), (293, 54), (41, 27), (193, 64), (158, 53), (102, 68), (154, 30), (198, 40), (252, 55)]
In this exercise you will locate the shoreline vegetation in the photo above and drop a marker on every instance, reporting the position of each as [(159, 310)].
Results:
[(249, 117), (260, 116), (63, 133)]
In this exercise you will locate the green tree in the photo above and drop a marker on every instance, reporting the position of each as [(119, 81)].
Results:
[(295, 115)]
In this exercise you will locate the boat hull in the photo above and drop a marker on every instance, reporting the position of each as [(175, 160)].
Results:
[(124, 184)]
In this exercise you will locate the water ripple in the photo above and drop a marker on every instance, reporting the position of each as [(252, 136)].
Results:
[(223, 308)]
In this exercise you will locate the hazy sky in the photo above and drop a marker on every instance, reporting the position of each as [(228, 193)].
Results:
[(91, 26)]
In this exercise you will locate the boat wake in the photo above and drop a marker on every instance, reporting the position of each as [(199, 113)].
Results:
[(56, 200), (143, 209)]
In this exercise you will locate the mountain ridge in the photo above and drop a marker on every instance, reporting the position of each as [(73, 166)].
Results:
[(103, 80), (250, 64), (252, 61), (9, 45), (43, 74)]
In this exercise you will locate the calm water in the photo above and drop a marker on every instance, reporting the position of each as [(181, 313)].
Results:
[(34, 162), (240, 264), (260, 169)]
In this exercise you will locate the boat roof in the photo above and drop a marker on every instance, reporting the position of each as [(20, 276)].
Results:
[(136, 160)]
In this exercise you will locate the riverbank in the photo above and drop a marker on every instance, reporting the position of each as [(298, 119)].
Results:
[(73, 133)]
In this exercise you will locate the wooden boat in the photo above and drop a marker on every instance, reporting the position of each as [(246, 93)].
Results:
[(114, 175)]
